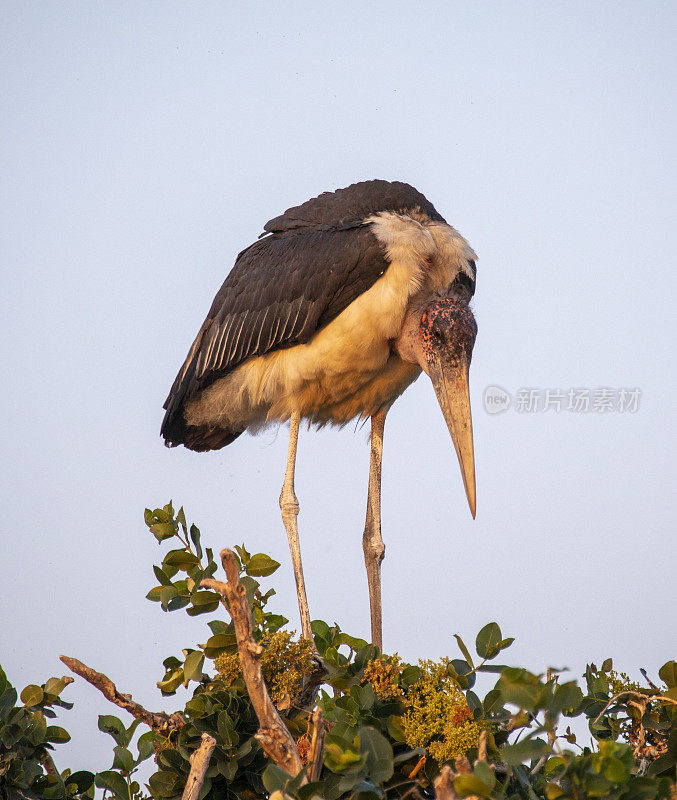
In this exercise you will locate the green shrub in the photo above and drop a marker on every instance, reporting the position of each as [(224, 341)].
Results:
[(391, 725)]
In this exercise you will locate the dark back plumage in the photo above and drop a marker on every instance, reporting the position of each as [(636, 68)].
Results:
[(348, 207), (311, 263)]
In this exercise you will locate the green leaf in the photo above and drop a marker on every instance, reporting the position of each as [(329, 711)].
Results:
[(485, 773), (554, 765), (114, 782), (56, 734), (365, 695), (474, 703), (567, 697), (340, 754), (205, 600), (522, 688), (273, 622), (668, 674), (515, 754), (352, 642), (168, 593), (493, 702), (38, 728), (123, 760), (320, 628), (219, 643), (82, 780), (411, 675), (192, 666), (462, 673), (379, 754), (466, 785), (488, 641), (226, 730), (275, 778), (7, 701), (161, 576), (32, 695), (261, 565), (170, 683), (55, 686), (172, 759), (464, 649), (196, 611), (162, 531), (219, 626), (183, 559), (113, 727), (146, 746), (614, 770), (195, 539), (155, 594), (396, 728), (178, 602), (166, 784)]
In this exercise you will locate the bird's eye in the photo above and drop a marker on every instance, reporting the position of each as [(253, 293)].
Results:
[(438, 334)]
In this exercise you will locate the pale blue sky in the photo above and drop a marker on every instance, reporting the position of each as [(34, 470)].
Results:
[(143, 145)]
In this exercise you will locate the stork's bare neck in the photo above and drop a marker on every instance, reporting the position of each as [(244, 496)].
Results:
[(436, 325)]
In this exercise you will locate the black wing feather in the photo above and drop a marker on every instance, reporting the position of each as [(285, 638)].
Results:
[(280, 292)]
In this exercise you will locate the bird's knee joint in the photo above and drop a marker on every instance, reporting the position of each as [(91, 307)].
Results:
[(374, 548), (288, 503)]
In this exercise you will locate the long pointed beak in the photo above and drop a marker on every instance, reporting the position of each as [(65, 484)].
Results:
[(451, 388)]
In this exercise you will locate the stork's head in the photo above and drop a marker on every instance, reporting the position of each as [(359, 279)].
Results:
[(440, 336)]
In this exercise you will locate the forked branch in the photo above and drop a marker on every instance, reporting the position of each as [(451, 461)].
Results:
[(273, 736), (162, 723)]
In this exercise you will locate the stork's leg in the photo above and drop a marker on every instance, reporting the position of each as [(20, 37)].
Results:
[(289, 506), (374, 549)]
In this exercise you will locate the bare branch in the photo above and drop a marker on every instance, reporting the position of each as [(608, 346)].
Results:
[(444, 784), (543, 760), (643, 698), (217, 586), (48, 763), (306, 695), (273, 736), (482, 746), (462, 766), (199, 762), (160, 722), (316, 745)]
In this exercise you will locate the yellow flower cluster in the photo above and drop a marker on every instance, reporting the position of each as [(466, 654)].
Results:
[(437, 716), (620, 682), (383, 674), (284, 662)]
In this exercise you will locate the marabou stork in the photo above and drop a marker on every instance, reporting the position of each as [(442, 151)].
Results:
[(329, 316)]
